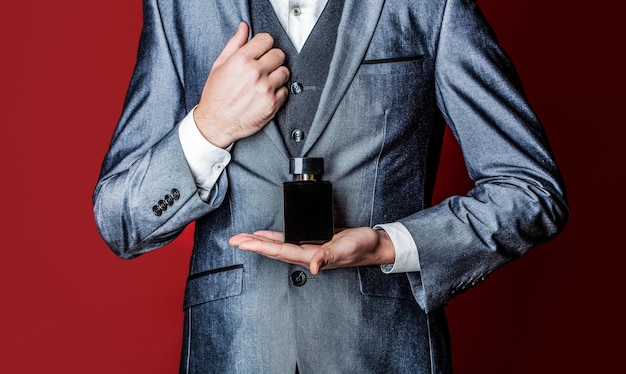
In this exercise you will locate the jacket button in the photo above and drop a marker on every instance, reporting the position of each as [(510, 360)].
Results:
[(175, 194), (169, 199), (157, 210), (298, 278), (162, 204)]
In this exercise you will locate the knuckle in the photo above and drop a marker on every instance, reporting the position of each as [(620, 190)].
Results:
[(253, 76), (265, 37), (262, 92), (284, 72), (278, 54), (237, 62), (238, 59)]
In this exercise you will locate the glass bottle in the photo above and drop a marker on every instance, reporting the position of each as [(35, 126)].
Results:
[(308, 203)]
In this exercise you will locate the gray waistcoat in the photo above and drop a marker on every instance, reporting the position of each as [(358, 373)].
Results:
[(309, 68)]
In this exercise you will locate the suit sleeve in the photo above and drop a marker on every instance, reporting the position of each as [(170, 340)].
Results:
[(518, 200), (146, 193)]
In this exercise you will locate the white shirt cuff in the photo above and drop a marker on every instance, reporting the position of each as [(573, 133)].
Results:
[(206, 161), (407, 257)]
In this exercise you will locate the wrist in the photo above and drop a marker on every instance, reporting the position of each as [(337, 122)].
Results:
[(212, 136), (385, 249)]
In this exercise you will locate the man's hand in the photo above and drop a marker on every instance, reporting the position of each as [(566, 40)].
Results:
[(350, 247), (244, 90)]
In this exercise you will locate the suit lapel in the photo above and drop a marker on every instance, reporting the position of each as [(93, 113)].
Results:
[(356, 28), (230, 13)]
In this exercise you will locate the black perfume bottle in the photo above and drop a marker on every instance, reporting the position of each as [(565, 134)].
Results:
[(308, 203)]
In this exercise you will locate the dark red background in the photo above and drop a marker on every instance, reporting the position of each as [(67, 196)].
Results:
[(68, 305)]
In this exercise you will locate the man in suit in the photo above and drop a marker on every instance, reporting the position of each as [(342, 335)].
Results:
[(215, 110)]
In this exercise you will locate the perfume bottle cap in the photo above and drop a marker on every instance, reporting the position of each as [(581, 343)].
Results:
[(306, 165)]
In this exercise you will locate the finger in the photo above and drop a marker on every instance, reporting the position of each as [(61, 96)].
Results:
[(274, 249), (279, 76), (235, 43), (319, 260), (271, 235), (262, 246), (239, 238), (259, 45), (285, 252), (271, 60), (281, 96)]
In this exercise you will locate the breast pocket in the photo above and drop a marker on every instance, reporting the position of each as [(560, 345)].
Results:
[(392, 65), (384, 82)]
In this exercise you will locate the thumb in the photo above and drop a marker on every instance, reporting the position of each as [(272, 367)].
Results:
[(236, 41), (318, 261)]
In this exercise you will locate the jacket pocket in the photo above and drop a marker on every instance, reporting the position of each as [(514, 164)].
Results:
[(374, 282), (213, 285)]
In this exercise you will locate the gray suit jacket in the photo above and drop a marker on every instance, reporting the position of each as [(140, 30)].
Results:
[(401, 70)]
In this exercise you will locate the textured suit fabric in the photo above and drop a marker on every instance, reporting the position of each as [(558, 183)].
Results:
[(400, 71)]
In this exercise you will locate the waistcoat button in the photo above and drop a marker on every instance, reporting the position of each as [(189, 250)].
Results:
[(298, 278), (297, 135), (296, 88)]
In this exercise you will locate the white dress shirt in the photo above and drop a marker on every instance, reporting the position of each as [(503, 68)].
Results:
[(206, 161)]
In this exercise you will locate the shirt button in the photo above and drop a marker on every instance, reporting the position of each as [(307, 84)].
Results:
[(218, 167), (296, 88), (298, 278), (297, 135), (296, 11)]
